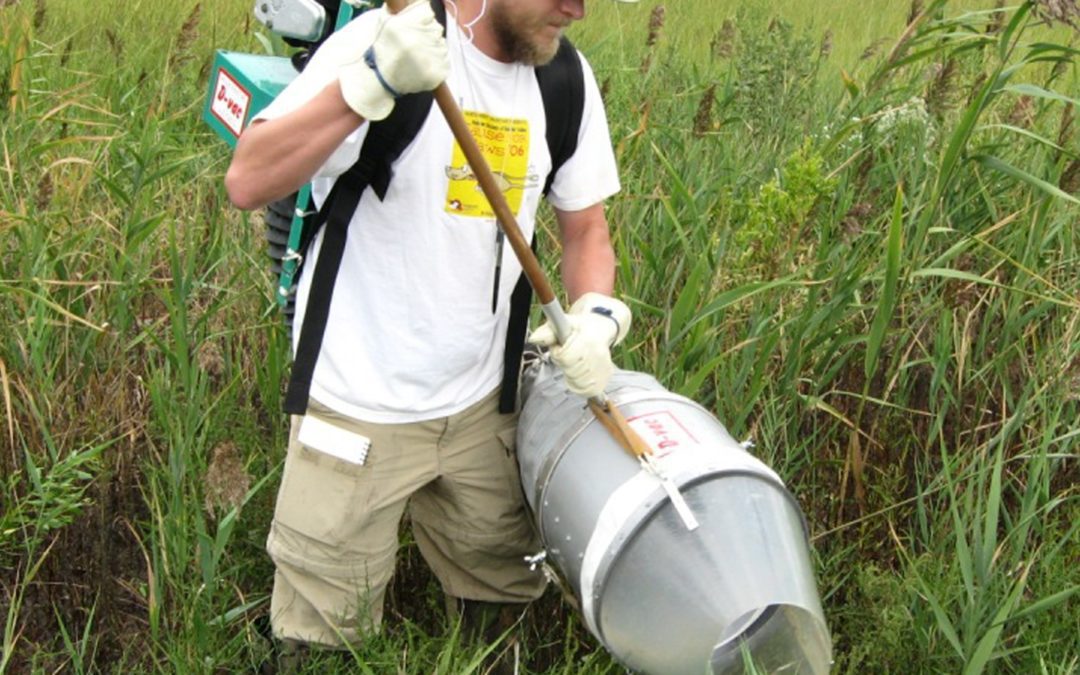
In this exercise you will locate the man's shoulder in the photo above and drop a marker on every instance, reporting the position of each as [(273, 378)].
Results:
[(342, 43)]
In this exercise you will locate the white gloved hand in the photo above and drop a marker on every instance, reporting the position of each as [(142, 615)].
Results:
[(597, 323), (407, 55)]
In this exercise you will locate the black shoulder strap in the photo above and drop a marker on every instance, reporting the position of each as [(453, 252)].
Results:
[(385, 141), (516, 332), (562, 87)]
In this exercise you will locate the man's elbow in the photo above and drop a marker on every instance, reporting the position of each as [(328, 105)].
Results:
[(242, 190)]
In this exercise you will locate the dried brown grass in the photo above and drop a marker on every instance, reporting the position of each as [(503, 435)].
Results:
[(227, 480)]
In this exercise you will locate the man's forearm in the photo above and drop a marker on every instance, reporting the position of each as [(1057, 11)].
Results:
[(588, 265), (588, 260), (276, 157)]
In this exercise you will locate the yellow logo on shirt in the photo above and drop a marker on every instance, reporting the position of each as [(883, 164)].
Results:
[(504, 143)]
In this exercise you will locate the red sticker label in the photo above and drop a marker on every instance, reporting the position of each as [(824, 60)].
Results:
[(230, 103), (662, 431)]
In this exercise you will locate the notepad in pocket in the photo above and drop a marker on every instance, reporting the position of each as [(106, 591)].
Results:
[(335, 441)]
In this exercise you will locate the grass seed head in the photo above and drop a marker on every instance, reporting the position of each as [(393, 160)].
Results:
[(914, 11), (656, 23), (189, 32), (703, 117), (723, 42), (1060, 11), (826, 45), (872, 49), (44, 193), (1065, 127), (941, 95), (997, 18), (1023, 112), (1070, 178)]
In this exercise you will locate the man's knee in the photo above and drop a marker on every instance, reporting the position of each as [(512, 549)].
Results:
[(325, 597)]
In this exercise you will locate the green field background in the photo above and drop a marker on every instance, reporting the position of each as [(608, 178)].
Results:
[(848, 229), (692, 24)]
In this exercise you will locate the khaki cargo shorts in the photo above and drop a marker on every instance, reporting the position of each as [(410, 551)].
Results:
[(334, 537)]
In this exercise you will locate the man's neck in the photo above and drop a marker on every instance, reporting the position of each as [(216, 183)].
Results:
[(478, 11)]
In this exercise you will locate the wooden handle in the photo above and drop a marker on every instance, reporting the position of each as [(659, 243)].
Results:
[(506, 218)]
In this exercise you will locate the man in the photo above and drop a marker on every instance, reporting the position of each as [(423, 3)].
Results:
[(403, 409)]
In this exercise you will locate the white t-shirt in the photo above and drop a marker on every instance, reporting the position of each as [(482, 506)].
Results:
[(411, 334)]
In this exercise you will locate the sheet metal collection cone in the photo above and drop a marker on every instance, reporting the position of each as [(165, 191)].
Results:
[(661, 597), (687, 554)]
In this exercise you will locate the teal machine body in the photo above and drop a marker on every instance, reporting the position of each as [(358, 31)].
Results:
[(242, 84)]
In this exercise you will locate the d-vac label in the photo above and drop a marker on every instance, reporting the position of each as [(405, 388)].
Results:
[(231, 102), (662, 431)]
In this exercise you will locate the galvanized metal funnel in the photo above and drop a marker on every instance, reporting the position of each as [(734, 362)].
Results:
[(663, 597)]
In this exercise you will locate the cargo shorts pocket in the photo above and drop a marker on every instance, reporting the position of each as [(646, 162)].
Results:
[(323, 493)]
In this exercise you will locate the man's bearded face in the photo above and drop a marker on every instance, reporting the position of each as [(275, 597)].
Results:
[(527, 32)]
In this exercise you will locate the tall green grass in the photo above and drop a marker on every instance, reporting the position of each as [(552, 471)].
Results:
[(864, 259)]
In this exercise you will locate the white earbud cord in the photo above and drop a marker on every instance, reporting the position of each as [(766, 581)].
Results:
[(466, 34), (467, 27)]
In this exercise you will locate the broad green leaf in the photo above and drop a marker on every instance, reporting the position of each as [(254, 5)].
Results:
[(1025, 89), (948, 273), (689, 296), (728, 298), (992, 162), (944, 624), (692, 384), (962, 133), (893, 250), (993, 513), (1005, 41), (1049, 602), (984, 651), (236, 612), (1029, 134)]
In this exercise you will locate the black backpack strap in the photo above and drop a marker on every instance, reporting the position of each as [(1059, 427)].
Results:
[(516, 332), (384, 143), (335, 214), (562, 88)]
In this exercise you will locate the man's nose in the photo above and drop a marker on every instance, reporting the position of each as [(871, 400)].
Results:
[(574, 8)]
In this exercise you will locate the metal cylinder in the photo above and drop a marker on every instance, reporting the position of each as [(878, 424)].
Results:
[(664, 593)]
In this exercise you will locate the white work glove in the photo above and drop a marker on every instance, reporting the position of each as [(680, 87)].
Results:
[(407, 55), (597, 323)]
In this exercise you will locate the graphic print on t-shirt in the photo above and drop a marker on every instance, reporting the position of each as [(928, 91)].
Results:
[(504, 143)]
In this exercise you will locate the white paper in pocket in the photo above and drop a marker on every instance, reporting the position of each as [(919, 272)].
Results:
[(335, 441)]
